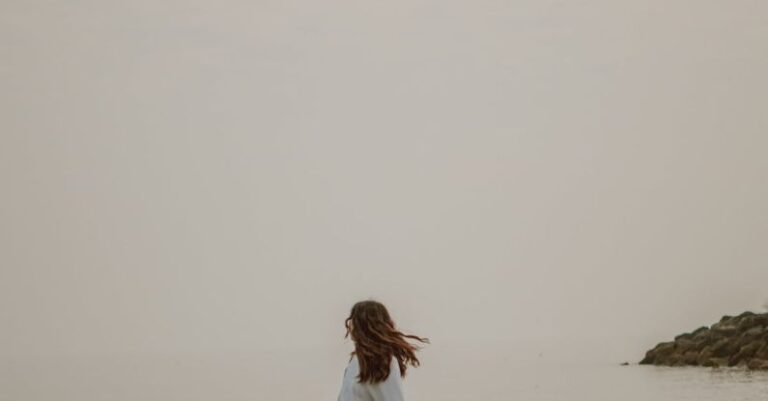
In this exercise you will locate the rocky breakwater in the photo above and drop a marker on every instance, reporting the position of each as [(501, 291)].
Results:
[(734, 341)]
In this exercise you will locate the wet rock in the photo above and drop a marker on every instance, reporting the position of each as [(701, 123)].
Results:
[(705, 355), (716, 362), (758, 364), (733, 341)]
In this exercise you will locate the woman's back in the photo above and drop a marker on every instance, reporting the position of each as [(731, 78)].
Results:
[(390, 389)]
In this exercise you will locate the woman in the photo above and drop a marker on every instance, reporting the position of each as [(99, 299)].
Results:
[(381, 356)]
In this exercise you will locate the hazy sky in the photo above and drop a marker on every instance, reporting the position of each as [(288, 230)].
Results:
[(215, 176)]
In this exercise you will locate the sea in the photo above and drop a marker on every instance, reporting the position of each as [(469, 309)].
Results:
[(495, 372)]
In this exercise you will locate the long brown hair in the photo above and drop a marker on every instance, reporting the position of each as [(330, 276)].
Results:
[(377, 340)]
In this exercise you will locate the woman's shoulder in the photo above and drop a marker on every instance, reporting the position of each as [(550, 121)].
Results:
[(394, 365)]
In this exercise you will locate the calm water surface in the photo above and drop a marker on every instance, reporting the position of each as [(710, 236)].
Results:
[(469, 375)]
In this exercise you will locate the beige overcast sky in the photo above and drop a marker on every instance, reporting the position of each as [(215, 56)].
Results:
[(210, 176)]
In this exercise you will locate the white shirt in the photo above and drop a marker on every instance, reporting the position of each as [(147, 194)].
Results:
[(391, 389)]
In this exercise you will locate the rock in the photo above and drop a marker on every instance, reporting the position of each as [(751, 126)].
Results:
[(716, 362), (758, 364), (701, 334), (725, 329), (762, 353), (733, 341), (625, 364), (747, 323), (704, 356), (658, 354), (684, 345), (761, 320), (753, 332), (746, 352), (746, 314), (691, 358), (723, 348), (700, 331)]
